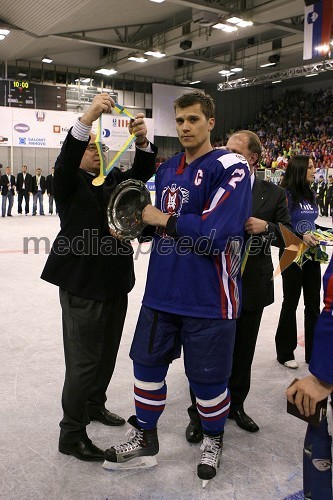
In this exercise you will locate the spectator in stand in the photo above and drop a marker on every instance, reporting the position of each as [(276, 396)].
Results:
[(302, 132)]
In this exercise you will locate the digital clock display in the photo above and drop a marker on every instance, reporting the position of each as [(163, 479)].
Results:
[(20, 85), (23, 94)]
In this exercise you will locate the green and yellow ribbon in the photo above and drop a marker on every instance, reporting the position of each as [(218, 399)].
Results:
[(106, 168), (316, 253)]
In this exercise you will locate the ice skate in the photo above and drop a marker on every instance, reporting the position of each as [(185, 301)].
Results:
[(210, 459), (137, 453)]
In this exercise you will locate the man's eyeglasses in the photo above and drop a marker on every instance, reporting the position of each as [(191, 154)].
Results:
[(93, 147)]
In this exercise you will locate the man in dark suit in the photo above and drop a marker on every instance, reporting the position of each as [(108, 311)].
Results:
[(24, 189), (321, 195), (94, 272), (329, 197), (38, 190), (49, 189), (7, 191), (269, 207)]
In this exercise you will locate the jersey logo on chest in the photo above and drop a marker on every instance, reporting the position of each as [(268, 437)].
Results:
[(172, 199)]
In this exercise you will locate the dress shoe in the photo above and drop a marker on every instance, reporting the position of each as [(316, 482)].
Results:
[(243, 420), (83, 450), (194, 432), (291, 364), (106, 417)]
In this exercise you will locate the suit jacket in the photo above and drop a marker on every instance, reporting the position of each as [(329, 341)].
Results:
[(4, 183), (269, 203), (42, 184), (28, 182), (49, 184), (85, 259), (321, 189)]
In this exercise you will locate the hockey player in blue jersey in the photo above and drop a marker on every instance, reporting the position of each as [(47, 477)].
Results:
[(192, 296), (305, 393)]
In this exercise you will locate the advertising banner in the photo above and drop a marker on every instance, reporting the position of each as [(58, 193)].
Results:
[(48, 129)]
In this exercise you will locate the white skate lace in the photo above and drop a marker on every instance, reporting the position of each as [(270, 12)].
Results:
[(134, 437), (210, 448)]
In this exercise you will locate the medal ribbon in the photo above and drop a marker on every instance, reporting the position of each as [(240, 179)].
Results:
[(106, 168)]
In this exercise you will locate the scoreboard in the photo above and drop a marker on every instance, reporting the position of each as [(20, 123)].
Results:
[(23, 94)]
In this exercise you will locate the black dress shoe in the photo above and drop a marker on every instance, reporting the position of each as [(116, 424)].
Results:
[(243, 420), (193, 432), (106, 417), (83, 450)]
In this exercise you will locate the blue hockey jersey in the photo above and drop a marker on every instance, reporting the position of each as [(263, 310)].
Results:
[(198, 273), (321, 363)]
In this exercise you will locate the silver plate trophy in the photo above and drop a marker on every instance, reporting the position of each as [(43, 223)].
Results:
[(125, 207)]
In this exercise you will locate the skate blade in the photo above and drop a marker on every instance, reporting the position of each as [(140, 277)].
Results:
[(136, 463), (205, 482)]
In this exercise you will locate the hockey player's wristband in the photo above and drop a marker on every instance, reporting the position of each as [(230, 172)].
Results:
[(171, 227)]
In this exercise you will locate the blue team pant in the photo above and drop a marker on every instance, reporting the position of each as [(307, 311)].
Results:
[(207, 343)]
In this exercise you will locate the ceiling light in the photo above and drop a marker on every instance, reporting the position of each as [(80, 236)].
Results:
[(106, 72), (196, 81), (236, 70), (22, 74), (311, 74), (225, 27), (157, 1), (239, 22), (226, 72), (137, 58), (155, 53), (47, 59), (277, 81), (2, 37), (268, 64), (83, 80), (4, 32), (245, 24), (234, 20)]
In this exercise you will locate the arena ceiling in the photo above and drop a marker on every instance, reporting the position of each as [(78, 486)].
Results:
[(104, 33)]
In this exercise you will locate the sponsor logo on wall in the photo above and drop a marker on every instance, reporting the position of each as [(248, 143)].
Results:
[(22, 128), (40, 116), (32, 141), (58, 129)]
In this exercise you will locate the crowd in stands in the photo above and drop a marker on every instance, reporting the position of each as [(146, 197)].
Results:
[(297, 123)]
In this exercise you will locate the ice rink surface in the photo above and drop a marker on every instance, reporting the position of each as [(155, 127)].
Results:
[(263, 466)]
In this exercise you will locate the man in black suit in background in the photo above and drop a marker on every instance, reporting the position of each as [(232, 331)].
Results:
[(269, 207), (7, 191), (38, 190), (24, 189), (49, 190), (321, 195)]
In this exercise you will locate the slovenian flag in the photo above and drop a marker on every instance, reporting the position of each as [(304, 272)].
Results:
[(317, 28)]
